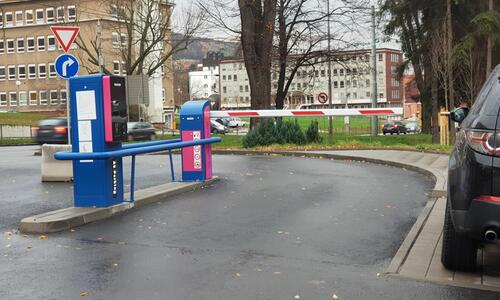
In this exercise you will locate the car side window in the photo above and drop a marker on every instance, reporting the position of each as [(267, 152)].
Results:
[(488, 100)]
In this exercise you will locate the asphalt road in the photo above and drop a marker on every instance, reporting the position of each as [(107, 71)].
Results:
[(272, 228)]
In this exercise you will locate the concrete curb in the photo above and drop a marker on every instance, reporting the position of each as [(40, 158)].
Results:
[(404, 250), (67, 218)]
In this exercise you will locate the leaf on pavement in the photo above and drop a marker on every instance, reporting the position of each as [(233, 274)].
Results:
[(334, 296), (84, 294), (297, 296), (42, 237), (388, 206)]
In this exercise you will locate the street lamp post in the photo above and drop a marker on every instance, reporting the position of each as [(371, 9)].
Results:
[(330, 118)]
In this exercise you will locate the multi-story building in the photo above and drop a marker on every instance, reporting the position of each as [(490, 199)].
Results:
[(351, 81), (204, 82), (28, 49)]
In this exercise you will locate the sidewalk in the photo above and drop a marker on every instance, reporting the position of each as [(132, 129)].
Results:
[(419, 256)]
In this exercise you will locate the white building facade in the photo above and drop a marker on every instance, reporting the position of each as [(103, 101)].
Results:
[(351, 82), (203, 83)]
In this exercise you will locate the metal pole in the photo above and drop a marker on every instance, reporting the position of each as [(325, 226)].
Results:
[(374, 129), (68, 115), (330, 119), (132, 179), (99, 48)]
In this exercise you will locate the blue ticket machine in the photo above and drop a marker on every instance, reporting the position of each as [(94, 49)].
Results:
[(195, 125), (98, 123)]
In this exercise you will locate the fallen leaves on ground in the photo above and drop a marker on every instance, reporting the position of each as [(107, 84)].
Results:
[(388, 206), (42, 237)]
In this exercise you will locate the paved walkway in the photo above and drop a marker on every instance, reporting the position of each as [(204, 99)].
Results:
[(420, 254)]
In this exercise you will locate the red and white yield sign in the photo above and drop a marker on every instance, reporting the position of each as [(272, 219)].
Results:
[(396, 111), (65, 35), (323, 98)]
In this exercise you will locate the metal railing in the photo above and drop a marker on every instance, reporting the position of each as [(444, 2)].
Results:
[(137, 149)]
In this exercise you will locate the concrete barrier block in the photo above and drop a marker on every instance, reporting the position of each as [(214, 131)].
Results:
[(56, 170)]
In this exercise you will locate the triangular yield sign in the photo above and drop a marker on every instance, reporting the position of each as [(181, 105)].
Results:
[(65, 35)]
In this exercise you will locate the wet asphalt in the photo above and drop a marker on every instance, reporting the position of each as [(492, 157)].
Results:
[(272, 228)]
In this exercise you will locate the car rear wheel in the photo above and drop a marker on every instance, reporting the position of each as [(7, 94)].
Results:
[(458, 252)]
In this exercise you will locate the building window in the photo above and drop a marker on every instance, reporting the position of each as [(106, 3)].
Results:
[(229, 77), (13, 99), (380, 57), (246, 88), (72, 13), (124, 40), (12, 72), (51, 43), (19, 18), (53, 97), (2, 73), (224, 89), (52, 70), (60, 14), (368, 95), (395, 94), (21, 72), (23, 98), (10, 46), (2, 47), (116, 67), (395, 82), (341, 72), (29, 16), (223, 77), (3, 99), (9, 19), (20, 45), (42, 71), (31, 71), (1, 20), (30, 44), (50, 15), (63, 96), (116, 41), (41, 43), (235, 77), (354, 83), (341, 84), (124, 69), (163, 95), (114, 11), (43, 97), (40, 19), (33, 98)]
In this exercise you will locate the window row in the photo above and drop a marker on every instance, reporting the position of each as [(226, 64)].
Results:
[(30, 44), (30, 71), (119, 39), (25, 98), (38, 16)]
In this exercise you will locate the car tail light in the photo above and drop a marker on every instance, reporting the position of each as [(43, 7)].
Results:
[(484, 142), (60, 130)]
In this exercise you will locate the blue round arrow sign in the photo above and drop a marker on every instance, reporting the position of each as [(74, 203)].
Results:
[(67, 66)]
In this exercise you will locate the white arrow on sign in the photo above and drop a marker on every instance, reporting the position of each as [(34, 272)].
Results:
[(68, 63)]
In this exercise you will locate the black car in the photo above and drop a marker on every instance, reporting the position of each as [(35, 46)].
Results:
[(473, 206), (140, 131), (51, 131), (394, 128)]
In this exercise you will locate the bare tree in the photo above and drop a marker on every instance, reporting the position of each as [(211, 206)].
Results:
[(144, 37), (440, 60)]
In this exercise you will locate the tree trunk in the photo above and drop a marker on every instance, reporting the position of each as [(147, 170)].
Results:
[(489, 48), (435, 110), (451, 81)]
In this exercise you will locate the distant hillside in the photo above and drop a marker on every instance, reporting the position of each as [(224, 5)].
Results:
[(199, 48)]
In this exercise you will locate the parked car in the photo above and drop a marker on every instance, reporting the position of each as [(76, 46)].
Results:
[(216, 127), (51, 131), (472, 213), (395, 127), (223, 121), (413, 127), (236, 122), (140, 131)]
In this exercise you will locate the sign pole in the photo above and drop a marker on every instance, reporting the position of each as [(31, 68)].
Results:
[(68, 115)]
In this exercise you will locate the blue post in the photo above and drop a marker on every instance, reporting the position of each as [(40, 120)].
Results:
[(132, 180), (171, 165)]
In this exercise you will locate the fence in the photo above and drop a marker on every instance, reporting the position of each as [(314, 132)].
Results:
[(15, 132)]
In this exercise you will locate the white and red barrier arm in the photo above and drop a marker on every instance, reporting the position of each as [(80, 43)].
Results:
[(308, 112)]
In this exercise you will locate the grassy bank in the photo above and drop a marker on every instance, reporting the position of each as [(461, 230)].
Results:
[(418, 142), (26, 119)]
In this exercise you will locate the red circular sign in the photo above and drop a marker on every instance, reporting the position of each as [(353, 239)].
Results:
[(322, 98)]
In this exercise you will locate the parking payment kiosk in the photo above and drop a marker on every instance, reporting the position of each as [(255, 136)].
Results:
[(98, 124), (195, 125)]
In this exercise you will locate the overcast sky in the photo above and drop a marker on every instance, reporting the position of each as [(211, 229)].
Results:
[(362, 35)]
